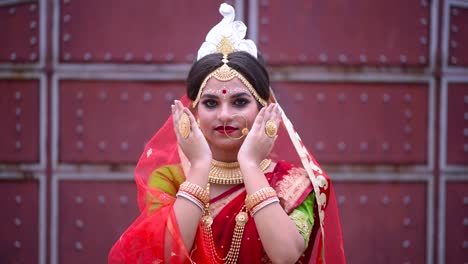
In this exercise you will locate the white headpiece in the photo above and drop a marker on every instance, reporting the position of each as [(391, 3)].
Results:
[(227, 30)]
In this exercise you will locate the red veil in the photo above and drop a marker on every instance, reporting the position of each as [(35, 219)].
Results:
[(145, 240)]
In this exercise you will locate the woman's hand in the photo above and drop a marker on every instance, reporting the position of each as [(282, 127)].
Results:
[(257, 145), (195, 147)]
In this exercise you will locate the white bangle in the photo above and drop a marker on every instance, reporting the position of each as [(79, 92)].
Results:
[(263, 204), (191, 198)]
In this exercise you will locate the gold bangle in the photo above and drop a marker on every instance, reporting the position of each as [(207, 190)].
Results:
[(195, 190), (263, 204), (259, 196)]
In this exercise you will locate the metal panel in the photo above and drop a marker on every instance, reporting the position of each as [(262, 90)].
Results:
[(19, 222), (361, 32), (457, 124), (456, 222), (458, 40), (90, 208), (383, 222), (111, 121), (359, 123), (19, 112), (20, 33), (136, 31)]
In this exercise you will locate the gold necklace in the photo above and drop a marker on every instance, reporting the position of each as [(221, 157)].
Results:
[(241, 219), (229, 172)]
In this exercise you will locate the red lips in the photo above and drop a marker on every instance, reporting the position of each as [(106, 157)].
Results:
[(229, 129)]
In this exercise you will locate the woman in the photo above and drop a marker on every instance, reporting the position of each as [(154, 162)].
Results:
[(213, 185)]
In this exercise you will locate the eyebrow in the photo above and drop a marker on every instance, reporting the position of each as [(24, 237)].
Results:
[(236, 95)]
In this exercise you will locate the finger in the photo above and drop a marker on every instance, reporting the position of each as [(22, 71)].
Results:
[(193, 122), (259, 119)]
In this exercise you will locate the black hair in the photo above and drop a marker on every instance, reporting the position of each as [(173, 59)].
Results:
[(252, 69)]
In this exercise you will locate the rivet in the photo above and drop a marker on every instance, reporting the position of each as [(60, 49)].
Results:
[(408, 114), (32, 40), (67, 56), (33, 24), (423, 3), (79, 145), (383, 58), (87, 56), (124, 96), (17, 244), (321, 97), (66, 37), (386, 98), (364, 98), (79, 129), (341, 146), (465, 244), (407, 221), (341, 199), (129, 56), (302, 57), (363, 58), (406, 244), (363, 199), (454, 28), (102, 199), (190, 57), (78, 246), (264, 3), (169, 97), (342, 58), (66, 18), (407, 200), (320, 146), (19, 127), (298, 97), (102, 145), (465, 148), (124, 146), (170, 57), (408, 98), (18, 145), (17, 222), (386, 200), (465, 132), (465, 116), (79, 113), (407, 147), (147, 97), (408, 130), (66, 1), (342, 97), (264, 39), (18, 95), (32, 56), (18, 199), (423, 40), (103, 96), (422, 59), (13, 56), (453, 44), (323, 57), (385, 146), (465, 200), (264, 20), (148, 57), (18, 111), (423, 21), (453, 59), (12, 11), (79, 223), (455, 12), (465, 99), (79, 95), (363, 146), (32, 8), (403, 59), (465, 221), (78, 199), (123, 199), (107, 56)]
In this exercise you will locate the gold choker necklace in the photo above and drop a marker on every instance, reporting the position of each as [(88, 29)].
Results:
[(229, 172)]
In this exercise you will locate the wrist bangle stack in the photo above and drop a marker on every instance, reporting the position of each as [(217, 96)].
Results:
[(263, 204), (260, 196), (194, 193)]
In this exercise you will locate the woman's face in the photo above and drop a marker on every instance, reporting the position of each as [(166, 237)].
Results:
[(226, 108)]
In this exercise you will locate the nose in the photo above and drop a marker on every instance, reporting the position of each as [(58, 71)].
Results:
[(224, 112)]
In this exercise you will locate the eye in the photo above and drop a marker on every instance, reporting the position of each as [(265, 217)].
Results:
[(241, 102), (210, 103)]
